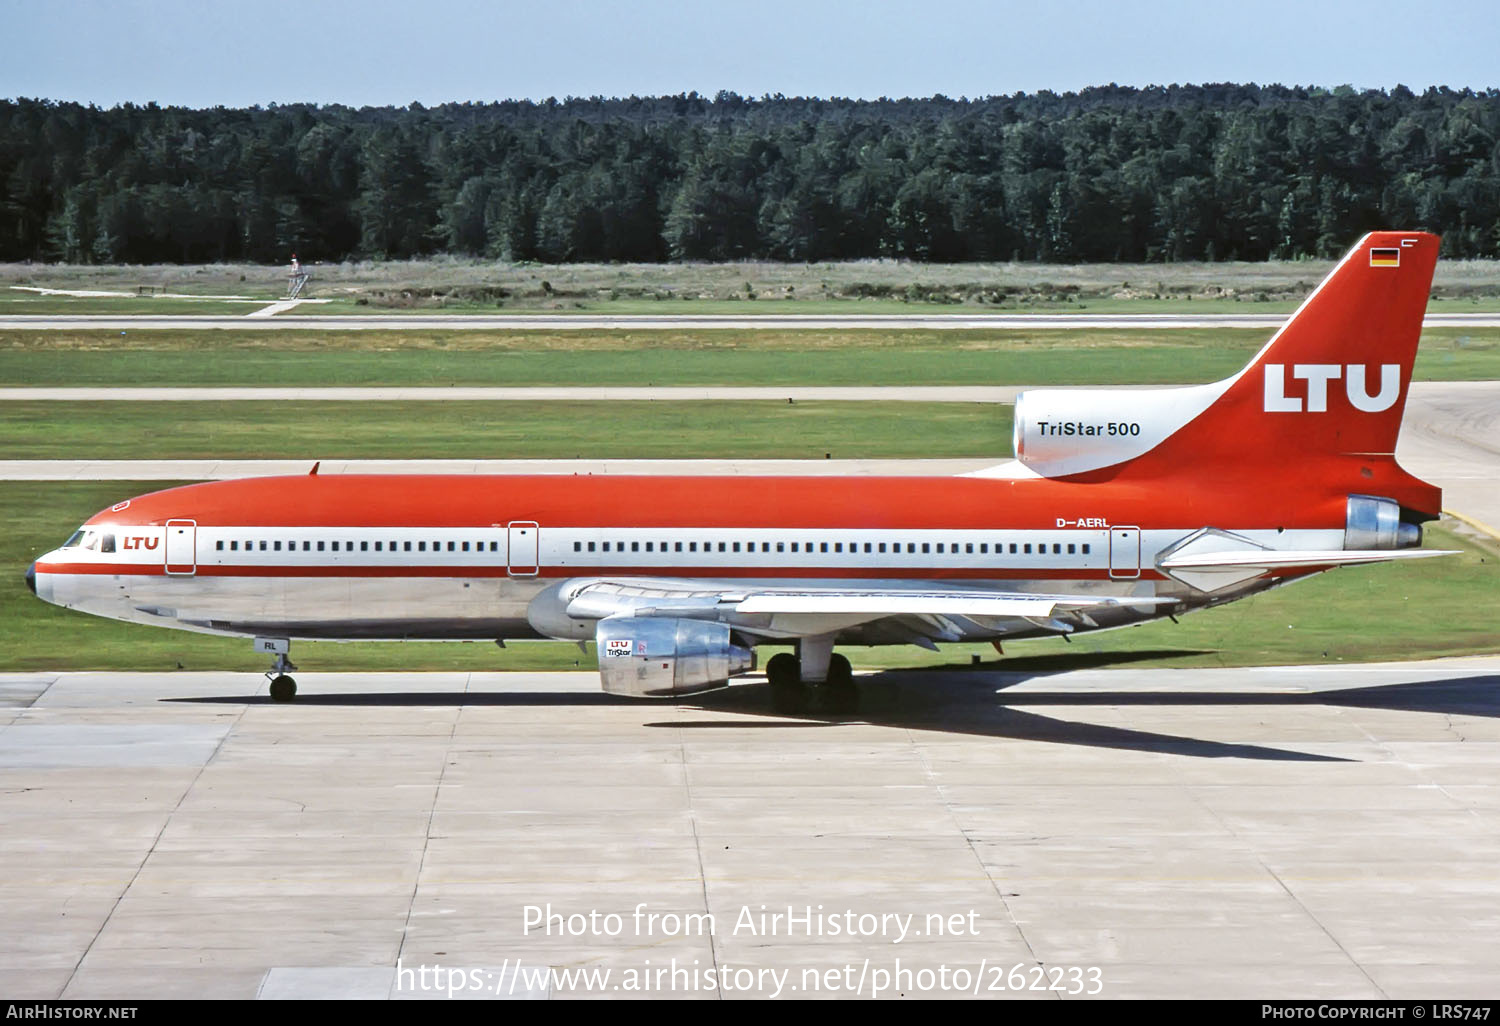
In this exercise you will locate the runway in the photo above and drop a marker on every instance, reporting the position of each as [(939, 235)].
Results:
[(592, 322), (1277, 832)]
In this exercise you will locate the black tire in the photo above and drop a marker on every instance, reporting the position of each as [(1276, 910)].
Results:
[(840, 673), (283, 689), (783, 670)]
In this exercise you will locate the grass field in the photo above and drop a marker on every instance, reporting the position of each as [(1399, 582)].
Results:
[(1414, 610), (511, 430), (719, 357), (20, 304), (862, 286)]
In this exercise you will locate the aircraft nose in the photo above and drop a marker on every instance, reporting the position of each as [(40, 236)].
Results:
[(31, 578)]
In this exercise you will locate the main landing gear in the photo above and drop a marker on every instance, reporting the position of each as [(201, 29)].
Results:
[(283, 687), (795, 689)]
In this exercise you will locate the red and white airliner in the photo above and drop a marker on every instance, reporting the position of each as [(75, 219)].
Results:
[(1121, 506)]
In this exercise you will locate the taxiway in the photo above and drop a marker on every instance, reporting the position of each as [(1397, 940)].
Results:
[(1287, 832)]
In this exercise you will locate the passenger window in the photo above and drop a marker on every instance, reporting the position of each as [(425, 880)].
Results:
[(1025, 548), (736, 546), (466, 546), (591, 546), (320, 546), (1085, 548), (911, 546), (219, 545), (692, 546), (925, 547), (648, 547), (234, 546), (721, 546), (278, 546), (1070, 548), (635, 546), (940, 546), (780, 546), (1056, 549), (679, 547), (882, 546), (451, 546), (823, 547), (307, 546), (867, 546), (335, 546)]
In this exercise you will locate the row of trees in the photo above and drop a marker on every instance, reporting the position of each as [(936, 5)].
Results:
[(1172, 173)]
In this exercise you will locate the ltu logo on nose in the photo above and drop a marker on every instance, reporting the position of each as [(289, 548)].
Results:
[(1318, 375)]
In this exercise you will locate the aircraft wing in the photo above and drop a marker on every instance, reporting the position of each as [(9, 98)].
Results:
[(786, 613)]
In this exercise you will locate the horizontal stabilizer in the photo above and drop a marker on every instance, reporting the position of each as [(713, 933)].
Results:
[(1273, 559)]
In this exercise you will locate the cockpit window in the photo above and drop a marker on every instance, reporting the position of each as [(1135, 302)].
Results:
[(74, 540), (91, 541), (108, 544)]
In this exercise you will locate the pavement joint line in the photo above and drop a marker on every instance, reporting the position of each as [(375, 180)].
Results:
[(1249, 850), (687, 785), (1320, 925), (166, 822), (920, 752), (437, 790)]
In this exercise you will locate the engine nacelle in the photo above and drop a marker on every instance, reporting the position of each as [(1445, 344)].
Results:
[(1069, 431), (1375, 523), (653, 657)]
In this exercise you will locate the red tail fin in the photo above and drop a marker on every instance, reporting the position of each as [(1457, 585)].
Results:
[(1333, 380), (1318, 407)]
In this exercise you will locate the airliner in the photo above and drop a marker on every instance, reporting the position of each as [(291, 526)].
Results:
[(1121, 506)]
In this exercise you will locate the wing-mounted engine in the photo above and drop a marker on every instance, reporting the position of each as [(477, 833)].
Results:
[(654, 657), (1070, 431)]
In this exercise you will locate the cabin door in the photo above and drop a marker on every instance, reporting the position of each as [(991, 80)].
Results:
[(1125, 552), (522, 550), (182, 547)]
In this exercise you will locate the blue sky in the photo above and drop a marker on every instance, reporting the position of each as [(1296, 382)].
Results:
[(430, 51)]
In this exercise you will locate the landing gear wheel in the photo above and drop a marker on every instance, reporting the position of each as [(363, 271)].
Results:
[(782, 669), (283, 688), (837, 695), (788, 694)]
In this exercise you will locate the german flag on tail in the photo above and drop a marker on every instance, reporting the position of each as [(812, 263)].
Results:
[(1385, 258)]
